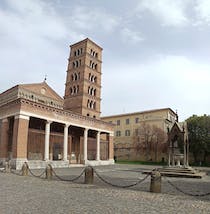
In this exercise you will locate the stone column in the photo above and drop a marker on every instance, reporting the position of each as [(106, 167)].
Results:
[(187, 153), (98, 146), (184, 153), (65, 143), (4, 139), (111, 146), (85, 144), (20, 141), (20, 137), (47, 140)]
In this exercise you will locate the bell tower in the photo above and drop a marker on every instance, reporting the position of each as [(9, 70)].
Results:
[(83, 81)]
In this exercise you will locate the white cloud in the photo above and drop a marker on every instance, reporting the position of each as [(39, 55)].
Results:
[(93, 19), (32, 18), (202, 9), (169, 12), (163, 81), (129, 36)]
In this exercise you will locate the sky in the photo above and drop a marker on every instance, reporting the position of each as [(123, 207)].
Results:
[(156, 53)]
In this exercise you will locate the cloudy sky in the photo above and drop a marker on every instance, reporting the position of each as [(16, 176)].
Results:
[(156, 53)]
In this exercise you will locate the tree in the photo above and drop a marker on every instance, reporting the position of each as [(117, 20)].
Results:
[(160, 138), (150, 138), (199, 136)]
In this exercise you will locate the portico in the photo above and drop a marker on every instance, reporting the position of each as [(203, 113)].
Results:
[(22, 143)]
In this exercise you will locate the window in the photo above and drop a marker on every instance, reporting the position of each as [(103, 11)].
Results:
[(137, 120), (74, 90), (118, 133), (78, 52), (127, 121), (137, 132), (118, 122), (127, 132)]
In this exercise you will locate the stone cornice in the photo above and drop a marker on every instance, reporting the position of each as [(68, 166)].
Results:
[(69, 116)]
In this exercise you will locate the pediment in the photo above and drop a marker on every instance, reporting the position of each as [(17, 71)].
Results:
[(43, 89)]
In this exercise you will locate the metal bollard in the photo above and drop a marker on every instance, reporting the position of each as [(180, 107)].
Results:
[(155, 185), (48, 172), (7, 167), (25, 169), (89, 175)]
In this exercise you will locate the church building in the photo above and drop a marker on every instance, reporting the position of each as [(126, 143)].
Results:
[(40, 127)]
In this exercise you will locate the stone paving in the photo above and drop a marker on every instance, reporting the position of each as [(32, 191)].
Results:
[(20, 194)]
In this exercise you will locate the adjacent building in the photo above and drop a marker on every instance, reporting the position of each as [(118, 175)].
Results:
[(142, 135), (40, 127)]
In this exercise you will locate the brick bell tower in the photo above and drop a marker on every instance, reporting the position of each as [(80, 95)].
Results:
[(83, 82)]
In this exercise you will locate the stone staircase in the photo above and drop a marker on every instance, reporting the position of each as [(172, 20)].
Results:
[(38, 164), (186, 172)]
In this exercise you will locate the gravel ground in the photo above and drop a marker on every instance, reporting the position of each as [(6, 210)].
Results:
[(27, 194)]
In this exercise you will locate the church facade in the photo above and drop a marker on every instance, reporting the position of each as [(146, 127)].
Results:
[(40, 127)]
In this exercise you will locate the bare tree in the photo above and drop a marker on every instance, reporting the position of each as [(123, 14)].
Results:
[(160, 137), (150, 139)]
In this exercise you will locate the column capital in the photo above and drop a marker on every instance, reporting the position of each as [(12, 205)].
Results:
[(86, 129), (67, 125), (48, 121), (21, 116), (111, 134), (4, 120)]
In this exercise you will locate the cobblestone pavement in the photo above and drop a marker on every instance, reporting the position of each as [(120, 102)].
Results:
[(27, 194)]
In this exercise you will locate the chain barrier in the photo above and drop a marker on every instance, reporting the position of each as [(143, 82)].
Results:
[(37, 176), (121, 186), (15, 172), (70, 180), (184, 192), (107, 182)]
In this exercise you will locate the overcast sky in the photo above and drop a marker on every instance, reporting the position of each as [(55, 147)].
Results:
[(156, 53)]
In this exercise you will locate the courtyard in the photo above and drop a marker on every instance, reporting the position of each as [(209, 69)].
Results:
[(30, 194)]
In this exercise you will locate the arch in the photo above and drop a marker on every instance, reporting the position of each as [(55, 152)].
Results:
[(91, 104), (91, 91), (74, 89), (92, 78), (77, 63), (75, 76), (71, 90)]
